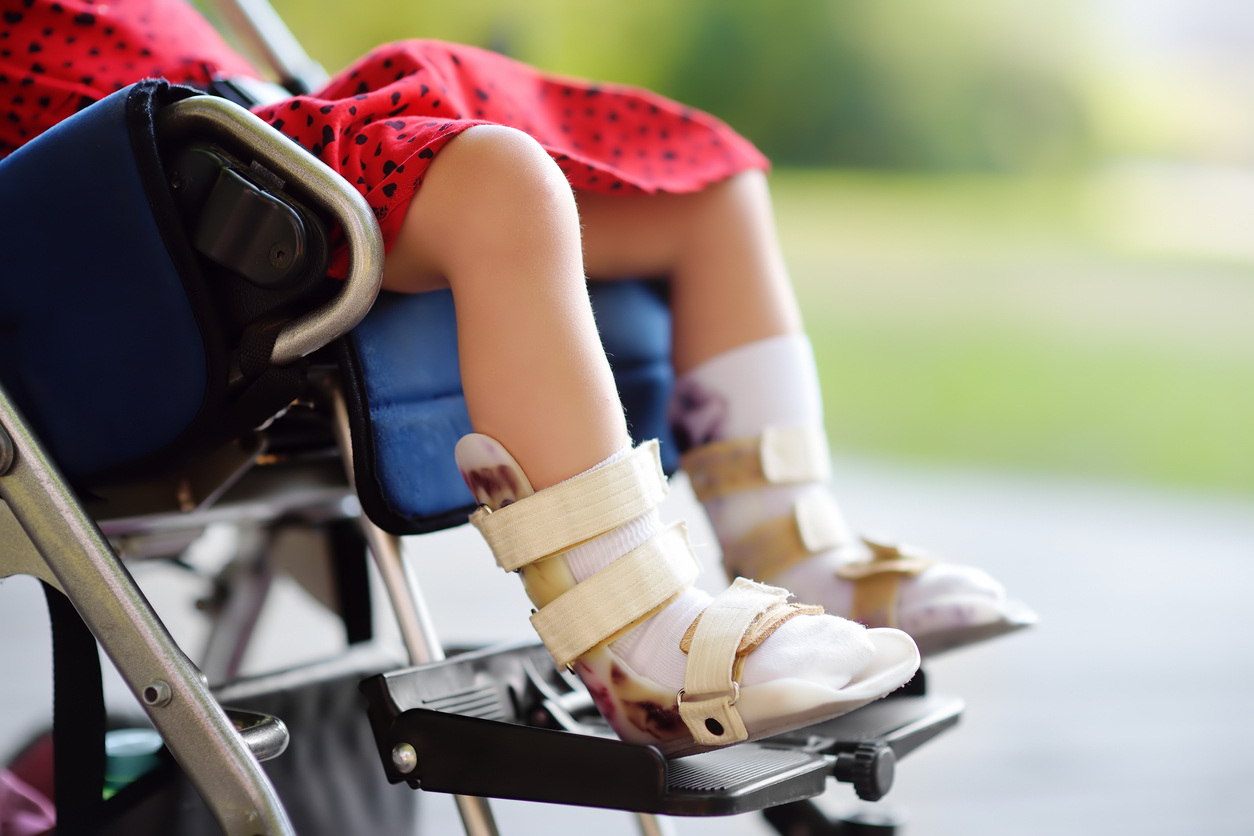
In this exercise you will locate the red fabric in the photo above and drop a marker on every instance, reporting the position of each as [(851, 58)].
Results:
[(58, 57), (381, 121)]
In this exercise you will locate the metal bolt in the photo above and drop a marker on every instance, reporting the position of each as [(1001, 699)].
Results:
[(6, 452), (158, 693), (404, 758), (280, 255)]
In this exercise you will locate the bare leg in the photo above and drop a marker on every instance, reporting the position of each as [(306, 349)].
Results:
[(496, 221), (729, 285), (729, 288)]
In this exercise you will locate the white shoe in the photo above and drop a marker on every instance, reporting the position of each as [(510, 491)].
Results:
[(805, 544), (721, 700)]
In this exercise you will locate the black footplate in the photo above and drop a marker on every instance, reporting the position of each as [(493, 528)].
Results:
[(503, 723)]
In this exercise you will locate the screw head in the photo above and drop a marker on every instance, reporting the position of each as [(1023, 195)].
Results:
[(157, 693), (404, 758), (280, 255)]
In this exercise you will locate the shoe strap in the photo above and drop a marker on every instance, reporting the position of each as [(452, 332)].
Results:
[(877, 582), (780, 456), (574, 511), (815, 525), (735, 622), (618, 597)]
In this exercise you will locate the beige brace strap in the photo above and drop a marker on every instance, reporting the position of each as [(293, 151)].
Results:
[(780, 456), (816, 525), (594, 611), (574, 511), (877, 582), (707, 702), (767, 622)]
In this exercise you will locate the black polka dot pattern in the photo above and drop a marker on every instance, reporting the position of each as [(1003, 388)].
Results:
[(381, 121), (59, 57)]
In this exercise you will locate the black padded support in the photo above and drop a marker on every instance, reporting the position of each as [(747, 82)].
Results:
[(352, 578), (78, 718)]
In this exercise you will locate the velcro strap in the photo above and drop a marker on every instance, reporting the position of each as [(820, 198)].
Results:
[(795, 455), (767, 622), (886, 558), (780, 456), (707, 703), (574, 511), (595, 610), (816, 525), (877, 582)]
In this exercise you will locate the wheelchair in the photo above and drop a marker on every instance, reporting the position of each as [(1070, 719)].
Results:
[(226, 379)]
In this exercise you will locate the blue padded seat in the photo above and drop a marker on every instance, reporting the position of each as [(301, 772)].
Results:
[(114, 349), (405, 396), (99, 344)]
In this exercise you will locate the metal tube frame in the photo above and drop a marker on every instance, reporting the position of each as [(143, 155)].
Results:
[(45, 531), (257, 21), (249, 578), (263, 29), (234, 127), (410, 605), (170, 688)]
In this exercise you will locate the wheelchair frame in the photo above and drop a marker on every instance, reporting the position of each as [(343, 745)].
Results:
[(47, 532)]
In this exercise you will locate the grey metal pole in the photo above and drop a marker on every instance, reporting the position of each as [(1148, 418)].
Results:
[(174, 693), (259, 24), (417, 629), (651, 825)]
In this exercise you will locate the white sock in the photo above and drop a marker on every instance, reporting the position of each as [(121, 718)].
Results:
[(738, 394), (774, 383), (817, 648)]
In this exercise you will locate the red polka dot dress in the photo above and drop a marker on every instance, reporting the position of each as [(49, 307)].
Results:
[(380, 122)]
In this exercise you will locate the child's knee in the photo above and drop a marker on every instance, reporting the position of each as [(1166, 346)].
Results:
[(491, 191), (500, 170)]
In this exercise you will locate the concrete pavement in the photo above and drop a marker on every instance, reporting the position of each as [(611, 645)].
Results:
[(1126, 710)]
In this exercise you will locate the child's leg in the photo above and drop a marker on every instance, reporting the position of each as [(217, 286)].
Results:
[(746, 369), (718, 247), (496, 221)]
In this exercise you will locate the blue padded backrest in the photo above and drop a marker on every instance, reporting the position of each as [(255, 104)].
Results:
[(99, 345), (634, 321), (407, 351)]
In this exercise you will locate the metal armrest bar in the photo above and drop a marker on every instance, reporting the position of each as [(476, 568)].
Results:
[(258, 23), (195, 728), (235, 128)]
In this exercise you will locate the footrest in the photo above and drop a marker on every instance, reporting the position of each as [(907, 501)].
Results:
[(864, 745), (503, 723)]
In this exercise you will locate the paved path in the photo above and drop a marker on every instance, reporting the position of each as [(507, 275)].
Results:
[(1127, 710)]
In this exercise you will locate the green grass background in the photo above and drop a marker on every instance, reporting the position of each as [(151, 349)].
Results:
[(993, 321), (1007, 320)]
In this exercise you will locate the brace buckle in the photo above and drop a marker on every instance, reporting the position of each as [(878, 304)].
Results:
[(679, 697)]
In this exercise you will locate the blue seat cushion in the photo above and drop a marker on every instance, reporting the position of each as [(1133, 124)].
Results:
[(100, 346), (404, 390)]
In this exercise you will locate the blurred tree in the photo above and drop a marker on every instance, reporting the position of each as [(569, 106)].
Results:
[(865, 83), (929, 84)]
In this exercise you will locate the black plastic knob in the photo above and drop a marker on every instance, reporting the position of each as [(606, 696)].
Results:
[(869, 768)]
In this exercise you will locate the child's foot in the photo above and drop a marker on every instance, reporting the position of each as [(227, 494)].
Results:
[(750, 420), (777, 523), (667, 664)]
